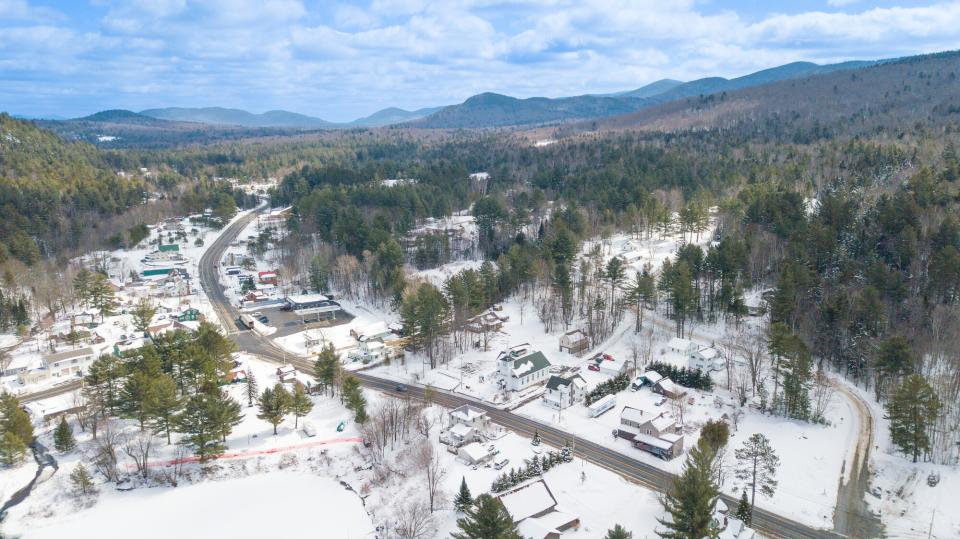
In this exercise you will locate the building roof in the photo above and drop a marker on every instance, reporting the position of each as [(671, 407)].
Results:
[(667, 385), (616, 364), (306, 298), (652, 376), (528, 500), (630, 413), (467, 413), (575, 335), (527, 364), (461, 430), (653, 441), (69, 354), (556, 382), (708, 352), (662, 422), (474, 451)]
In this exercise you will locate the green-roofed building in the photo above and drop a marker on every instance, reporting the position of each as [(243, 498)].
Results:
[(520, 368)]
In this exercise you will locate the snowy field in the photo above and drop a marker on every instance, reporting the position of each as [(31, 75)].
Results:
[(277, 504)]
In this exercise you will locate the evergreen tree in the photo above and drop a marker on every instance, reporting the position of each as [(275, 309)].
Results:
[(618, 532), (535, 468), (82, 482), (225, 413), (744, 511), (162, 405), (135, 396), (300, 404), (63, 439), (274, 404), (251, 389), (912, 410), (101, 295), (355, 400), (487, 519), (464, 500), (143, 314), (692, 501), (325, 367), (12, 449), (196, 422), (757, 466), (536, 438), (566, 453), (15, 419)]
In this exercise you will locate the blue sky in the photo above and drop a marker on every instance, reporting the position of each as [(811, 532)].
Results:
[(342, 60)]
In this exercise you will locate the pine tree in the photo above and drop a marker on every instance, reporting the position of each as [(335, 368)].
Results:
[(274, 404), (325, 367), (355, 401), (912, 411), (300, 404), (536, 438), (163, 404), (196, 422), (692, 500), (12, 449), (143, 314), (744, 511), (464, 500), (15, 419), (82, 482), (487, 519), (63, 439), (757, 466), (566, 453), (535, 468), (251, 389), (225, 413), (135, 396), (618, 532)]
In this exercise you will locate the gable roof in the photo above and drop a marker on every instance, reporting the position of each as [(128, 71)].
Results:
[(631, 414), (556, 382), (527, 364), (528, 500)]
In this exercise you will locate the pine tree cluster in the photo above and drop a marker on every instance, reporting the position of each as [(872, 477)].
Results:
[(16, 431), (534, 467), (692, 378), (608, 387)]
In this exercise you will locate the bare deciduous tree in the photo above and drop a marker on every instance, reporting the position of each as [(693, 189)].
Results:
[(430, 463), (415, 520), (139, 449)]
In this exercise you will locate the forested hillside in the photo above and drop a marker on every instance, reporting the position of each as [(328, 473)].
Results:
[(50, 190)]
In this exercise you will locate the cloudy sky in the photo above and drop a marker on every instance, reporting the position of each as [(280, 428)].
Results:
[(341, 60)]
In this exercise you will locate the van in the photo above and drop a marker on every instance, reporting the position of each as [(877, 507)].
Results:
[(500, 464)]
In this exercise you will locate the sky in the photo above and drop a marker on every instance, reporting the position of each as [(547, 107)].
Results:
[(343, 60)]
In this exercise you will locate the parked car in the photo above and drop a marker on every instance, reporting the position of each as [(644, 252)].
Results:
[(263, 320), (660, 402), (593, 367), (500, 464), (400, 388)]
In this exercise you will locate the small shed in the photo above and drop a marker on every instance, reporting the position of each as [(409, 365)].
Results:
[(574, 342), (474, 453)]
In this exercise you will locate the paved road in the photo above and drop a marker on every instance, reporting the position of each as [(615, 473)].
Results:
[(766, 522)]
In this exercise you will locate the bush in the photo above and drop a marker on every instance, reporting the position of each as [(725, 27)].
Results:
[(609, 387), (694, 378)]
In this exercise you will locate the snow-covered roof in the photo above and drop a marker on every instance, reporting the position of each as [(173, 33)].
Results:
[(529, 363), (667, 385), (653, 441), (528, 500), (69, 354), (461, 430), (474, 451), (630, 413), (671, 437), (677, 343), (467, 413), (662, 423), (652, 376), (306, 298), (708, 352)]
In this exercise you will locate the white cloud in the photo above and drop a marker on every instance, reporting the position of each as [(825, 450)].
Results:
[(347, 59), (841, 3)]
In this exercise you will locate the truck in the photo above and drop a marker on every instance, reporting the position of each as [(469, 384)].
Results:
[(602, 405), (247, 321)]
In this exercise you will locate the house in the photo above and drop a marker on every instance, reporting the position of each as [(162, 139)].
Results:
[(668, 389), (650, 378), (189, 315), (658, 435), (534, 508), (369, 351), (681, 346), (706, 359), (474, 453), (489, 321), (287, 373), (459, 435), (468, 415), (375, 331), (574, 341), (563, 392), (267, 277), (519, 368), (68, 363), (613, 367), (33, 376)]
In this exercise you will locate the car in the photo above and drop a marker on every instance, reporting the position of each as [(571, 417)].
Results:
[(660, 402), (257, 314), (400, 388), (593, 367), (263, 320), (500, 464)]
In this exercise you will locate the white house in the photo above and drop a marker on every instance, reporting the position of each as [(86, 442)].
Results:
[(519, 368), (682, 346), (459, 435), (474, 453), (468, 415), (706, 359), (564, 392), (69, 362)]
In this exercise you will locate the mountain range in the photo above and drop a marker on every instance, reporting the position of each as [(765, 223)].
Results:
[(486, 109)]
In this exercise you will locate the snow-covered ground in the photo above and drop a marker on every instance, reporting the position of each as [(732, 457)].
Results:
[(276, 504)]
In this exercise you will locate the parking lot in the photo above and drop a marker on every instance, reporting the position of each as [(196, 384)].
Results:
[(288, 322)]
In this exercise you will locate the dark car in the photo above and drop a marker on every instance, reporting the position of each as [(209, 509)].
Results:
[(400, 388), (263, 319), (593, 367)]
